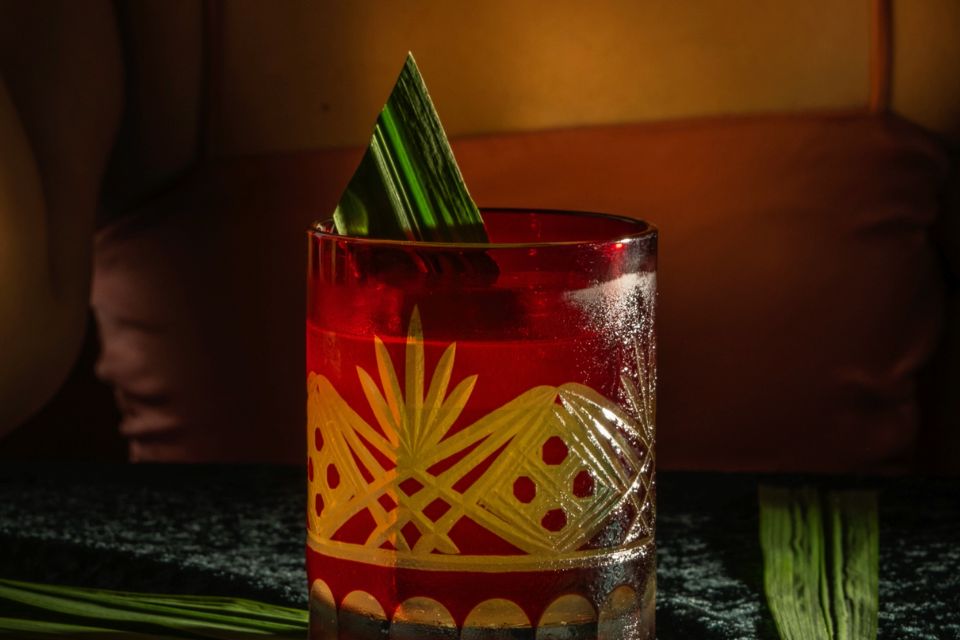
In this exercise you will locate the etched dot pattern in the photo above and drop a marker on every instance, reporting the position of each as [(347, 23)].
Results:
[(555, 450), (554, 520), (333, 476), (524, 489), (583, 484)]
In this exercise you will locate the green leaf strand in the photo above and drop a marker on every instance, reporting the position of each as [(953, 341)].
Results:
[(856, 551), (820, 573), (198, 616)]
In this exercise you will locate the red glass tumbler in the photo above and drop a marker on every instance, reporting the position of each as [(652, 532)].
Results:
[(480, 432)]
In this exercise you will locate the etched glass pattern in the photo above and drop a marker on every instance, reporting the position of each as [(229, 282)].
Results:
[(480, 428)]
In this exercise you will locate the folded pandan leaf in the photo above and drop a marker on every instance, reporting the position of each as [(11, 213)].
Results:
[(98, 611), (855, 584), (794, 563), (408, 185), (820, 572)]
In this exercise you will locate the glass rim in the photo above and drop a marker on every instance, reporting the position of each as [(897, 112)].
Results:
[(644, 230)]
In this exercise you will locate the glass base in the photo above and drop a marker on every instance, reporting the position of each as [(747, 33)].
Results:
[(353, 626), (612, 602)]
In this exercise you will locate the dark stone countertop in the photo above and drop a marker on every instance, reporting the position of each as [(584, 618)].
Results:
[(238, 531)]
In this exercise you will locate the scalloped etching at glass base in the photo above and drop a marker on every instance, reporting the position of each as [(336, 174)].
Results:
[(561, 476), (620, 615)]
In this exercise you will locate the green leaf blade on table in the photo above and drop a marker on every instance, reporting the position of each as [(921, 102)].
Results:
[(46, 630), (408, 185), (821, 572), (191, 616), (238, 608), (791, 538), (855, 539)]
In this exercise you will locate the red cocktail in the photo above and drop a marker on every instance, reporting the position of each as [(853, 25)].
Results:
[(481, 432)]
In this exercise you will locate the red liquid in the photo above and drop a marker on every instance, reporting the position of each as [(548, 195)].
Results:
[(532, 478)]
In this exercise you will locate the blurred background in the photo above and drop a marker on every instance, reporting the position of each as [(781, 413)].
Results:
[(799, 159)]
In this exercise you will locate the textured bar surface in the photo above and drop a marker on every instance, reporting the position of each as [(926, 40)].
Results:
[(239, 531)]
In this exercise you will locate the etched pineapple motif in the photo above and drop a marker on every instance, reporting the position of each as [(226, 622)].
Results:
[(566, 462)]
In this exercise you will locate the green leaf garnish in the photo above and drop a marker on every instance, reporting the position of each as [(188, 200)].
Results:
[(820, 574), (104, 612), (794, 563), (408, 185), (855, 580)]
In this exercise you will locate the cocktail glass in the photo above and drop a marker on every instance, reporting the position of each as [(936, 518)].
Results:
[(480, 431)]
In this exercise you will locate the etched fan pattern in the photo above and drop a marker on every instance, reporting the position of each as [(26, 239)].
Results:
[(564, 460)]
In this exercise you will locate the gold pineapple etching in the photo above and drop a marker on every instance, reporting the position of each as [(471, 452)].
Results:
[(565, 461)]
